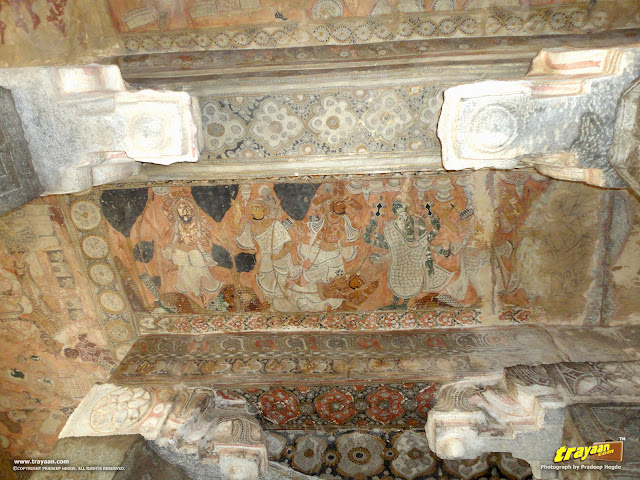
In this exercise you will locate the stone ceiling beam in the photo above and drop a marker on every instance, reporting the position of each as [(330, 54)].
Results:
[(559, 118), (85, 126)]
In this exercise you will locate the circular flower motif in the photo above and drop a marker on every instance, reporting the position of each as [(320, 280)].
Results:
[(308, 455), (405, 30), (165, 42), (223, 129), (360, 455), (362, 33), (321, 34), (414, 457), (383, 32), (493, 24), (132, 45), (447, 26), (262, 38), (558, 21), (513, 24), (203, 41), (469, 26), (342, 33), (242, 39), (388, 117), (275, 125), (385, 405), (523, 315), (336, 406), (426, 28), (279, 406), (222, 40), (183, 41), (331, 457), (199, 323), (333, 120), (120, 409), (282, 38), (578, 19)]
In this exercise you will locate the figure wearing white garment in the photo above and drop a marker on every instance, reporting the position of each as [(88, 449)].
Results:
[(187, 250), (277, 271), (325, 255), (411, 269)]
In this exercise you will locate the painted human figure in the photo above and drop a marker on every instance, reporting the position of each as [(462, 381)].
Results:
[(276, 272), (411, 269), (325, 255), (187, 250)]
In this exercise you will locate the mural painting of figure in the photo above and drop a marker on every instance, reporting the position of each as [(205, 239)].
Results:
[(277, 271), (411, 269), (188, 249), (325, 255)]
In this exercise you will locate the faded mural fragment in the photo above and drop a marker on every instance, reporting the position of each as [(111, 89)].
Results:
[(53, 349)]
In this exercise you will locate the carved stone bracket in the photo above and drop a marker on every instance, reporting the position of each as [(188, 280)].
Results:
[(199, 429), (85, 126), (503, 415), (559, 118), (523, 411)]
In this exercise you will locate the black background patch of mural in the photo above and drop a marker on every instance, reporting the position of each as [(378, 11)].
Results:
[(245, 262), (221, 256), (143, 251), (122, 208), (295, 198), (215, 200)]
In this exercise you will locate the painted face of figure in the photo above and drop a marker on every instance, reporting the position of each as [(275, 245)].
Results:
[(339, 207), (185, 212), (257, 211), (399, 209)]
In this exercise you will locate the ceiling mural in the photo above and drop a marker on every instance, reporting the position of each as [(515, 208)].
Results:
[(239, 24), (148, 15), (53, 349), (422, 251)]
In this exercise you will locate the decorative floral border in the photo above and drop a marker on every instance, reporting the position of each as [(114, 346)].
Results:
[(562, 19)]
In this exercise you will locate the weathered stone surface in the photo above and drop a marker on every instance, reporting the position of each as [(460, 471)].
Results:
[(85, 127), (559, 118), (131, 456), (624, 154), (588, 423), (18, 181), (111, 409), (517, 414)]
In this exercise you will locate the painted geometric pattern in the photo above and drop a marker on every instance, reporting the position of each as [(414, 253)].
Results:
[(339, 122), (333, 358), (368, 405), (383, 455), (562, 19)]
